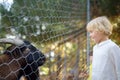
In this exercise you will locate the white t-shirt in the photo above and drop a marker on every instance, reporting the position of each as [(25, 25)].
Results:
[(106, 61)]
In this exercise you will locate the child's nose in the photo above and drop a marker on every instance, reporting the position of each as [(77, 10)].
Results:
[(90, 34)]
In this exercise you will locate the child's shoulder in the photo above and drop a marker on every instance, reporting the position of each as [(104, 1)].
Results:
[(106, 44), (113, 45)]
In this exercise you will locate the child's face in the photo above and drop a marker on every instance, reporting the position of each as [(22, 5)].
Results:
[(97, 36)]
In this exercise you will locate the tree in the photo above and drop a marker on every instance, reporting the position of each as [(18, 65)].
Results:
[(105, 7)]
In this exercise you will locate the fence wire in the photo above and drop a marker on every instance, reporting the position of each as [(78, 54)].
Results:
[(55, 27)]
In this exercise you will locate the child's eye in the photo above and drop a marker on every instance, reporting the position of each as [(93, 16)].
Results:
[(90, 31)]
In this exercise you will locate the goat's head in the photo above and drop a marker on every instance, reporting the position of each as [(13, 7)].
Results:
[(23, 48), (28, 56)]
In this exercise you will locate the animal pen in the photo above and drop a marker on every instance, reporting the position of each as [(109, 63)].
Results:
[(56, 28)]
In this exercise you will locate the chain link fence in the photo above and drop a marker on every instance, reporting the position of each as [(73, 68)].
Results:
[(55, 27)]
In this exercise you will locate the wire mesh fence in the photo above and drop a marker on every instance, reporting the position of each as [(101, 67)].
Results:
[(56, 28)]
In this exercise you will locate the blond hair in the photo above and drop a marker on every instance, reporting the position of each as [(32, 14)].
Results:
[(100, 24)]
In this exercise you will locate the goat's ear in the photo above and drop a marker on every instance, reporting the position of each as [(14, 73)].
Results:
[(7, 52), (8, 49)]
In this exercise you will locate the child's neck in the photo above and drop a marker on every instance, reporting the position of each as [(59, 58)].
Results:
[(103, 39)]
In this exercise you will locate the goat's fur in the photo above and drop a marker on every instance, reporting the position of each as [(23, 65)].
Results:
[(18, 61)]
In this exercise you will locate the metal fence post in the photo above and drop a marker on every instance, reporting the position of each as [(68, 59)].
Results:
[(88, 38)]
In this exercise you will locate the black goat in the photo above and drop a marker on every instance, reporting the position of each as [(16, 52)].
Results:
[(20, 59)]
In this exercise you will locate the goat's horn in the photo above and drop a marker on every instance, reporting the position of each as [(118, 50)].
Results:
[(17, 42)]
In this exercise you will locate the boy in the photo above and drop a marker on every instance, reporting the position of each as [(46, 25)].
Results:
[(106, 54)]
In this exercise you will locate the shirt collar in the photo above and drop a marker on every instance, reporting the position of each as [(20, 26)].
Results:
[(103, 42)]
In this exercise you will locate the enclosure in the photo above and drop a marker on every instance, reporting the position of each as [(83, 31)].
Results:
[(55, 27)]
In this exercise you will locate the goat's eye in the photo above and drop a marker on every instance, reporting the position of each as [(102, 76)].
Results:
[(27, 50)]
